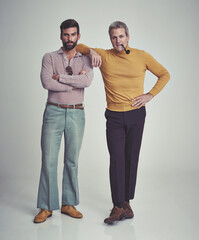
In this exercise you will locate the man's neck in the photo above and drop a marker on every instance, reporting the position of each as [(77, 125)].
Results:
[(71, 53)]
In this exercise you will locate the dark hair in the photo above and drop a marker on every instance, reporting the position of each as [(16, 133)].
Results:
[(118, 24), (69, 23)]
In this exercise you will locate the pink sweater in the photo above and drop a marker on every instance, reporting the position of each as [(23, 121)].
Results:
[(70, 88)]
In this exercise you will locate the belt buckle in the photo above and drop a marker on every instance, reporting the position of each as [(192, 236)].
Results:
[(81, 106)]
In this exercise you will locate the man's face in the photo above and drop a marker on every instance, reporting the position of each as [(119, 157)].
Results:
[(69, 38), (118, 37)]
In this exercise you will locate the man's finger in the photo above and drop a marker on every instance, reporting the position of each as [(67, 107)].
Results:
[(137, 103), (100, 63), (134, 99)]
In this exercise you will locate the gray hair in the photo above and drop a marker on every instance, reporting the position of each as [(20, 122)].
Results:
[(118, 24)]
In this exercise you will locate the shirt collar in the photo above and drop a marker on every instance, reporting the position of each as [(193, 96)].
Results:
[(60, 51)]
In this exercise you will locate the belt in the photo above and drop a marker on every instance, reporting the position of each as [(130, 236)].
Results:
[(74, 106)]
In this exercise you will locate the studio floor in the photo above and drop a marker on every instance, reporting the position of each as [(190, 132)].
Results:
[(163, 210)]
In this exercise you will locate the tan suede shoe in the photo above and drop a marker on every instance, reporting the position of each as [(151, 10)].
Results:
[(42, 216), (71, 211)]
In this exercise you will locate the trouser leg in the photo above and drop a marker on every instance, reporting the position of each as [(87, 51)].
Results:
[(52, 129), (134, 130), (74, 130), (115, 134)]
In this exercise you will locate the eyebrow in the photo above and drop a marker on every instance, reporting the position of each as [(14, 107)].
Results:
[(74, 33), (121, 35)]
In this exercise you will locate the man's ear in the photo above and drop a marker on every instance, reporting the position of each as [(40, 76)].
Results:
[(79, 36), (128, 38)]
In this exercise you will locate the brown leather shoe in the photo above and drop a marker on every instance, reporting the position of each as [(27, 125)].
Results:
[(117, 214), (128, 210), (42, 216), (71, 211)]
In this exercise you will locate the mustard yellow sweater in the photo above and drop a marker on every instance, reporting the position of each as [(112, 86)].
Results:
[(124, 74)]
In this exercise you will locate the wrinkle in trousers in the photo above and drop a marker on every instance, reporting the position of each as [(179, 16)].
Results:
[(124, 132), (57, 121)]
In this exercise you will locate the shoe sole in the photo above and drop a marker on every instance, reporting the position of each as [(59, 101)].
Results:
[(44, 220), (120, 219), (129, 217), (70, 215)]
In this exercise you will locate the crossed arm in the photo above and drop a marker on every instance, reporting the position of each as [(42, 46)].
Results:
[(64, 82), (46, 77), (76, 81)]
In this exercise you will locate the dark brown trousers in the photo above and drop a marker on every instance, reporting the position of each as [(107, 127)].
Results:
[(124, 135)]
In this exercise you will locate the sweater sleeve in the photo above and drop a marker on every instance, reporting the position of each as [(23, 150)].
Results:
[(46, 76), (79, 81), (85, 50), (158, 70)]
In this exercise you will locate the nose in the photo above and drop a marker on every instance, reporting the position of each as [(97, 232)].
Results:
[(118, 40), (69, 38)]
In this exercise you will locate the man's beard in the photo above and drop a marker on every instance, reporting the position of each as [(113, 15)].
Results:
[(69, 47)]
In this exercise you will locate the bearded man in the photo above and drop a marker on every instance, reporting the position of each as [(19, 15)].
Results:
[(65, 73)]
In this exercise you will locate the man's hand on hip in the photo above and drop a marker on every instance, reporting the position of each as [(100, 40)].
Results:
[(140, 101)]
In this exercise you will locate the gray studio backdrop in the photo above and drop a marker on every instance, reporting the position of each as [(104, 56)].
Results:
[(166, 29)]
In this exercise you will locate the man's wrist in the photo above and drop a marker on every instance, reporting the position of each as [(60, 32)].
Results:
[(91, 51), (150, 94)]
